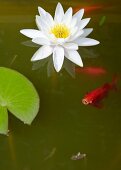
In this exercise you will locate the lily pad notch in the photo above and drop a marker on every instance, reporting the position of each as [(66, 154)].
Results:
[(18, 96)]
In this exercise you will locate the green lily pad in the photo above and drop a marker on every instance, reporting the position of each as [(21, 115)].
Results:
[(18, 95)]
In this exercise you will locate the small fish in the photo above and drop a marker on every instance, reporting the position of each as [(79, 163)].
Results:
[(92, 71), (96, 96), (78, 156), (88, 8)]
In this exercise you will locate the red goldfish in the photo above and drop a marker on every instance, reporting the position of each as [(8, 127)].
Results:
[(96, 96), (93, 71)]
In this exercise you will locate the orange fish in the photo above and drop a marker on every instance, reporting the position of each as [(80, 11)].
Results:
[(94, 71), (96, 96), (88, 8)]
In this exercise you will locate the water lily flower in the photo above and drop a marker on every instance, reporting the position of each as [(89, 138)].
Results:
[(60, 36)]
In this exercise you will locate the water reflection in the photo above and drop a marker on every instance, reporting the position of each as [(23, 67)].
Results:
[(11, 145), (29, 43), (70, 68), (48, 62), (67, 65)]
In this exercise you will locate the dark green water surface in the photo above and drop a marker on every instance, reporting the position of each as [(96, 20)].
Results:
[(64, 126)]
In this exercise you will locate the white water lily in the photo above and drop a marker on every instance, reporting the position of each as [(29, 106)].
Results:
[(60, 36)]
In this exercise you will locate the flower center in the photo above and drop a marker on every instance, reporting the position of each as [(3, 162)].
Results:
[(60, 31)]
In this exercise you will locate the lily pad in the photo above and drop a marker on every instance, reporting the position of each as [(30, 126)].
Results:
[(18, 95)]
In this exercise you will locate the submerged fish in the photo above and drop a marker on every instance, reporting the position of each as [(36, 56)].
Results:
[(93, 71), (96, 96), (88, 8), (78, 156)]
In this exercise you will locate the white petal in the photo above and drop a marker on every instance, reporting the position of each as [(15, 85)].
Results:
[(42, 12), (86, 32), (60, 40), (76, 35), (73, 22), (38, 22), (83, 23), (58, 57), (86, 42), (52, 38), (74, 30), (67, 17), (41, 41), (31, 33), (74, 57), (45, 16), (42, 24), (42, 53), (49, 19), (70, 46), (79, 14), (59, 13)]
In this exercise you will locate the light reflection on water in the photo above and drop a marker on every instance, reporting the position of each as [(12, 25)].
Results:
[(67, 65), (63, 126)]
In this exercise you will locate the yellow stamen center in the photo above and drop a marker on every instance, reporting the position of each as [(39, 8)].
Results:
[(60, 31)]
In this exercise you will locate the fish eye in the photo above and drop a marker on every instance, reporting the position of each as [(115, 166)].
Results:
[(84, 101)]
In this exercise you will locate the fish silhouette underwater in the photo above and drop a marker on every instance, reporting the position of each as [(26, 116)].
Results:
[(90, 70)]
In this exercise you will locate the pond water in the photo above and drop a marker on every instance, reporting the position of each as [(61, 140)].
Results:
[(64, 126)]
